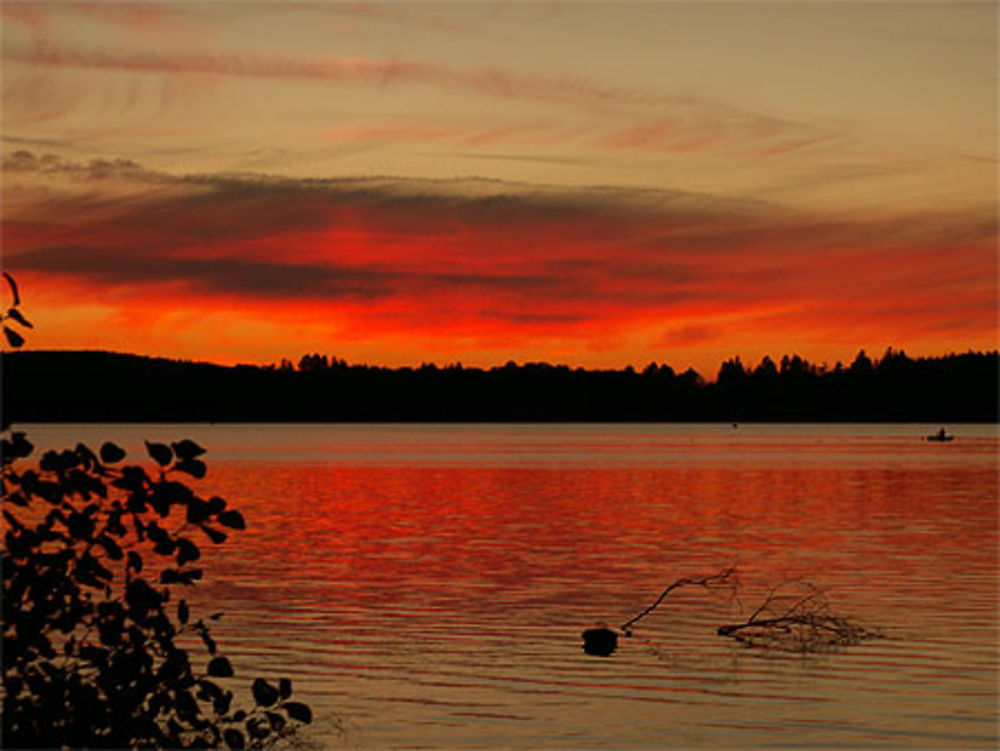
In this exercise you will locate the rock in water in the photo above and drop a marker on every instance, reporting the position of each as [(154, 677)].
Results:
[(599, 641)]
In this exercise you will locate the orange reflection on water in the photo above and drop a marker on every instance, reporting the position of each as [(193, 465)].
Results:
[(427, 586)]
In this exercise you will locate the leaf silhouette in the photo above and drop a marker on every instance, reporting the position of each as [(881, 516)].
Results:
[(219, 667), (232, 519), (13, 287), (160, 452), (264, 693), (16, 315), (15, 339), (194, 467), (187, 449), (298, 711), (111, 453)]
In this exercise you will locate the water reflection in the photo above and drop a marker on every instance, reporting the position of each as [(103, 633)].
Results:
[(428, 584)]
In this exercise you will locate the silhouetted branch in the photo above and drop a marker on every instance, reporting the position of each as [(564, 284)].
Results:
[(726, 578), (796, 621), (602, 641), (13, 337), (806, 625)]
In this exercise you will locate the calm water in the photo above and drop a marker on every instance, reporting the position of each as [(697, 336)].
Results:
[(425, 586)]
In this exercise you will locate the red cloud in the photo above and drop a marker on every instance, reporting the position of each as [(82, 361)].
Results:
[(463, 269)]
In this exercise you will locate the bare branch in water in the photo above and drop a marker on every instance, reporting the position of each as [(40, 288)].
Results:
[(726, 579), (805, 625), (794, 616)]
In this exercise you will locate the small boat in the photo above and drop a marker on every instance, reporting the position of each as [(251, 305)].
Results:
[(941, 437)]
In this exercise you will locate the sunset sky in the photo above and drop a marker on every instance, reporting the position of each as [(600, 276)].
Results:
[(597, 184)]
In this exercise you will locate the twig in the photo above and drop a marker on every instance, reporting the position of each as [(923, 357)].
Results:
[(726, 577), (805, 626)]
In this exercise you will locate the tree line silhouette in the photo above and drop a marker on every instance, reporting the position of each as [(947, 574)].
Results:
[(65, 386)]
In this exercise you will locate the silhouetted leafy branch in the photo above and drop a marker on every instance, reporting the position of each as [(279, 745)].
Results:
[(93, 553), (13, 313)]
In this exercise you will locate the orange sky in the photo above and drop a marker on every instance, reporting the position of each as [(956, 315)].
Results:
[(592, 184)]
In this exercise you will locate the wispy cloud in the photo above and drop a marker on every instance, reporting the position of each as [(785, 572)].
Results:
[(32, 17), (531, 158), (698, 131), (681, 124), (398, 15), (483, 81), (620, 115)]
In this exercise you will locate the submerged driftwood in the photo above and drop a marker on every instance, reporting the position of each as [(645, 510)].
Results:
[(800, 621), (602, 641), (725, 579), (795, 617)]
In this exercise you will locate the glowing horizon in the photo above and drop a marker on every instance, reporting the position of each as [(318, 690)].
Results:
[(601, 186)]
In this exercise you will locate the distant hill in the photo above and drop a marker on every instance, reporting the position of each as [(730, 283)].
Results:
[(68, 386)]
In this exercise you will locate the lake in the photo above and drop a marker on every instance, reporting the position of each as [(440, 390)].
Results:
[(425, 586)]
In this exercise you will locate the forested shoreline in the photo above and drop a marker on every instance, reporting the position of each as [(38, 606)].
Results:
[(84, 386)]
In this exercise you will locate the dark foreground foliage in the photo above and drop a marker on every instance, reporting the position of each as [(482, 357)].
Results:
[(102, 386), (95, 633)]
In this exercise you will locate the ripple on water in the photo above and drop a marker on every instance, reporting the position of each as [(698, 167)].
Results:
[(425, 586)]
